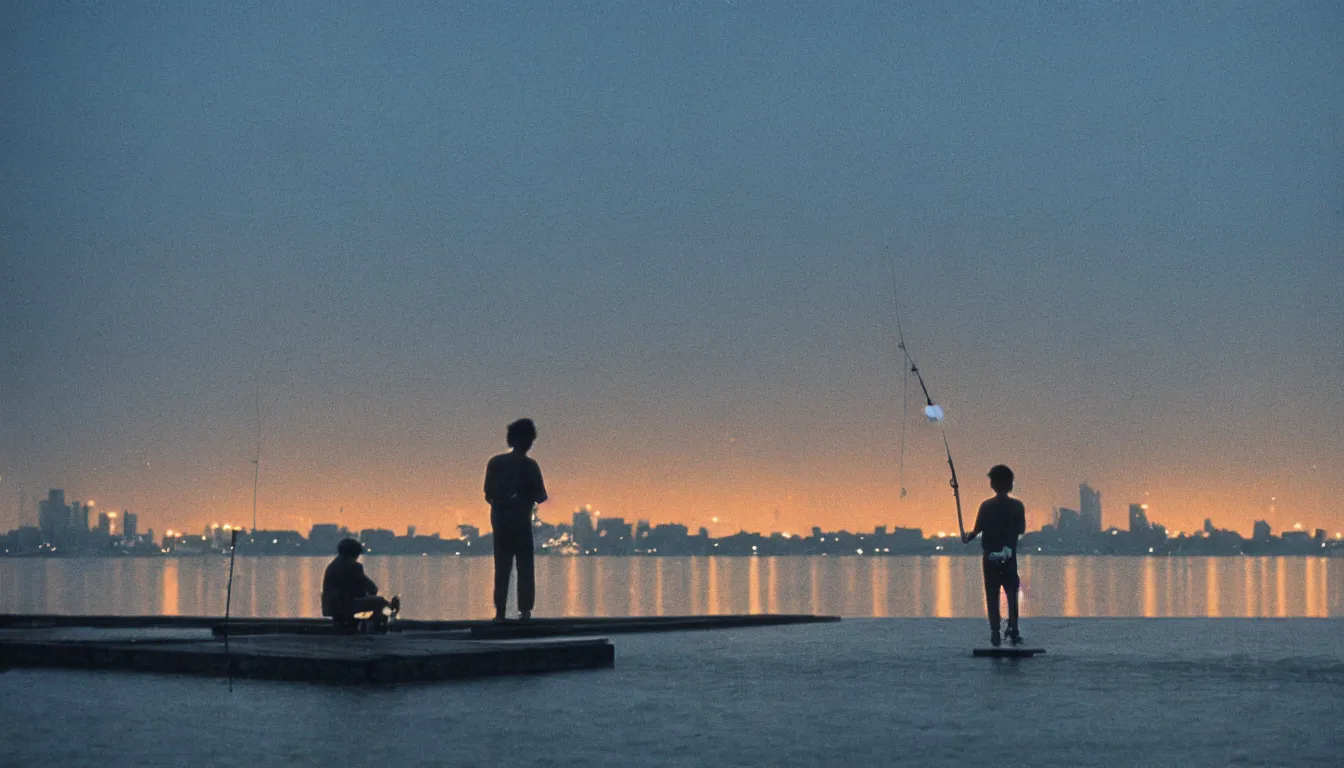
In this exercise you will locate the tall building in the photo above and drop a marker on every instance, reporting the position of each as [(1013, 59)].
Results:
[(53, 517), (614, 537), (1138, 518), (1066, 521), (79, 518), (1261, 531), (1089, 509), (585, 535), (104, 525), (130, 523)]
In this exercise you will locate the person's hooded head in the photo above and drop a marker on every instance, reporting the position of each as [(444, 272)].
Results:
[(349, 548)]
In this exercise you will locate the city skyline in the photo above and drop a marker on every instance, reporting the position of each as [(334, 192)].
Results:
[(369, 245), (62, 525), (720, 522)]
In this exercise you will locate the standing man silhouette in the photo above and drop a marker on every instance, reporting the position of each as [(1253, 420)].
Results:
[(513, 488), (999, 522)]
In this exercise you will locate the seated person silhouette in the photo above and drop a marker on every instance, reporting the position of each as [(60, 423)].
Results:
[(346, 591)]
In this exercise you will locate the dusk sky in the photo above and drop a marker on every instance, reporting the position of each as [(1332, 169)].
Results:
[(669, 233)]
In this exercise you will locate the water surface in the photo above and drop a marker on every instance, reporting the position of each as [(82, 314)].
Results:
[(460, 587)]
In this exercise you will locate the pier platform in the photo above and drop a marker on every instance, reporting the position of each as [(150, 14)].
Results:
[(533, 628), (395, 658), (310, 649)]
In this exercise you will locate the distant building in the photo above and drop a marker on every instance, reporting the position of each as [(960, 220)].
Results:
[(58, 521), (130, 525), (323, 537), (79, 519), (613, 537), (378, 541), (1066, 521), (1089, 509), (585, 535), (1261, 532), (1138, 518), (104, 525)]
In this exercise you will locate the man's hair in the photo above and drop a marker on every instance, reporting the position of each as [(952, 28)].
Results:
[(349, 548), (1000, 476), (521, 432)]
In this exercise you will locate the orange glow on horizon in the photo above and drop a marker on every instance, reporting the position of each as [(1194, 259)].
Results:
[(849, 491)]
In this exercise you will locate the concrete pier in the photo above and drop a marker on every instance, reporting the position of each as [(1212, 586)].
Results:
[(311, 650), (395, 658)]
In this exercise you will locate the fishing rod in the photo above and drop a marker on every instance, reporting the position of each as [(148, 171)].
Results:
[(256, 462), (228, 605), (932, 411)]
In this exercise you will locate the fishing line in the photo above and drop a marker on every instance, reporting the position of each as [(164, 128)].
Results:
[(932, 411)]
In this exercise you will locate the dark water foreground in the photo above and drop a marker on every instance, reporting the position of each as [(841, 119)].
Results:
[(1188, 692)]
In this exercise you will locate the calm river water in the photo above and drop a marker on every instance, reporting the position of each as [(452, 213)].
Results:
[(459, 587)]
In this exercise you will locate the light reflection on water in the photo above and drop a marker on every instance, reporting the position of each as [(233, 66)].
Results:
[(450, 587)]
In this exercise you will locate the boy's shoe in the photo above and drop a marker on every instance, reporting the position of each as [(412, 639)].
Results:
[(499, 618), (395, 605), (525, 616), (1014, 637), (994, 638)]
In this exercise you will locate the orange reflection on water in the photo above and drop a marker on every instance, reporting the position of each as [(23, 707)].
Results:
[(713, 578), (1149, 588), (772, 585), (1325, 588), (571, 586), (1248, 578), (878, 580), (658, 588), (1312, 608), (943, 589), (168, 605), (1281, 582), (815, 585), (1071, 586), (1213, 608), (754, 585), (447, 587)]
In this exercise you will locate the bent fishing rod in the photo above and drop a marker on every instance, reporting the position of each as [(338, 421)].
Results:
[(932, 411)]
